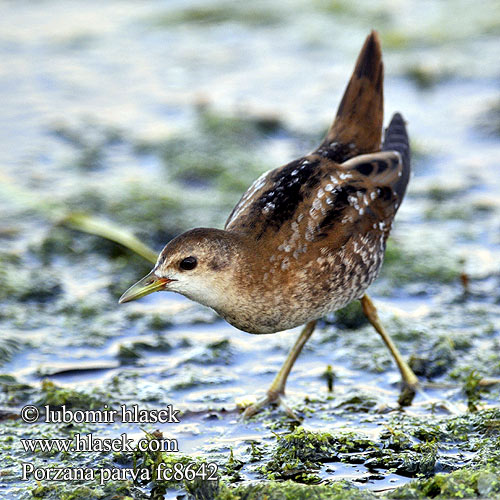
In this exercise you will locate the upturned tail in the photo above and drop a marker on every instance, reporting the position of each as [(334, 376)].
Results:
[(357, 128)]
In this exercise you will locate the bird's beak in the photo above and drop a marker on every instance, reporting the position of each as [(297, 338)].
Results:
[(149, 284)]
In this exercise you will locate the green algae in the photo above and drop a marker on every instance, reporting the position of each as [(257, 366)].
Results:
[(289, 490), (54, 395), (232, 468), (378, 15), (426, 76), (409, 446), (404, 265), (191, 377), (12, 391), (27, 285), (351, 316), (142, 206), (420, 460), (116, 490), (489, 120), (224, 12), (299, 455), (8, 347), (357, 403), (473, 390), (151, 461), (127, 354), (91, 140), (463, 483), (440, 358), (137, 349), (473, 432), (216, 153)]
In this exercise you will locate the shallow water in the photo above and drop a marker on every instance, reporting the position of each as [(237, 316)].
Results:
[(104, 111)]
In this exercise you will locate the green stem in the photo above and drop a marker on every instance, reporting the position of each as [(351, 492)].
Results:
[(79, 221), (104, 229)]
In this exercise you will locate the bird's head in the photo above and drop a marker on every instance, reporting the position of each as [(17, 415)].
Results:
[(199, 264)]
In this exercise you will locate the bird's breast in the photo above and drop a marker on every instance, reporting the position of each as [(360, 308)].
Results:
[(285, 292)]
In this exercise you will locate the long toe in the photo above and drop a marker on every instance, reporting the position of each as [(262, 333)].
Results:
[(272, 398)]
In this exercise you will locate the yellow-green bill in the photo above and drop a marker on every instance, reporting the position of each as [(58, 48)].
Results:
[(149, 284)]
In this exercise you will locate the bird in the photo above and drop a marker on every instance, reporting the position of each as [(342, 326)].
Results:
[(307, 238)]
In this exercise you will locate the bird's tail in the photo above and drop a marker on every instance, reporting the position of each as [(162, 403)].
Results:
[(357, 128), (396, 139)]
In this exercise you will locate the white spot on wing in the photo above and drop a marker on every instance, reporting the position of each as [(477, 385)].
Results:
[(247, 197)]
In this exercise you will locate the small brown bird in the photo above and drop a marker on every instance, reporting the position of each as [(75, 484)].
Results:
[(307, 238)]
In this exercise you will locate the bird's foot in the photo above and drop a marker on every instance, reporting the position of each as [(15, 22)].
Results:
[(272, 398), (408, 393)]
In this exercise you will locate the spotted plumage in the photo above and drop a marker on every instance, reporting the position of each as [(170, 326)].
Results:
[(306, 238), (309, 237)]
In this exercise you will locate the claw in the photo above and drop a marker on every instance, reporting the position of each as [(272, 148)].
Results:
[(272, 398)]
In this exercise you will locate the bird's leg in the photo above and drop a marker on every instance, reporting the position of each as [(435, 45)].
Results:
[(276, 392), (409, 378)]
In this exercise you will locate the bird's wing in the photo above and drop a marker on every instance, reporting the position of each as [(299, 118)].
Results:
[(370, 187), (375, 181), (322, 199), (275, 198)]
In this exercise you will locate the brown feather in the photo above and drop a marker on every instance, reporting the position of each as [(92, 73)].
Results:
[(309, 237), (361, 111)]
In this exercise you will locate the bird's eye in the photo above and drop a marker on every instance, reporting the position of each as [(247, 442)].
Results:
[(188, 263)]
